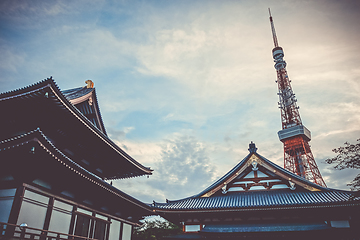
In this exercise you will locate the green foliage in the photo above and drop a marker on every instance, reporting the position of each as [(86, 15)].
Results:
[(348, 157), (155, 229)]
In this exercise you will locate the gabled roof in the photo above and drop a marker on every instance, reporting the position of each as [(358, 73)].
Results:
[(257, 183), (242, 169), (44, 105), (85, 100)]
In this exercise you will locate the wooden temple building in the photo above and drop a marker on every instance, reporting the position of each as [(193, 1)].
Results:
[(55, 156), (257, 199)]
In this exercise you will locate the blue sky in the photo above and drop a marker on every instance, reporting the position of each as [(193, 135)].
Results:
[(185, 86)]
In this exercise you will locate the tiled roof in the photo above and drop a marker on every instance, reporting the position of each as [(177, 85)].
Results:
[(261, 199), (76, 92), (273, 165), (44, 144), (49, 93), (295, 192), (84, 107)]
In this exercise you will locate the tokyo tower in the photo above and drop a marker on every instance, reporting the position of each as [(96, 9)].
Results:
[(298, 157)]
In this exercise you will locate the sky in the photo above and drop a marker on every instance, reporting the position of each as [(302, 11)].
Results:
[(184, 86)]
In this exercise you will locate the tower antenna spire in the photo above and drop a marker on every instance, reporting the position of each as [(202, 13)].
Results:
[(298, 157), (276, 44)]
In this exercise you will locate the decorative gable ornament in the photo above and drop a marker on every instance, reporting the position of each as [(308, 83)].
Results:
[(254, 164), (224, 190), (256, 173), (292, 185)]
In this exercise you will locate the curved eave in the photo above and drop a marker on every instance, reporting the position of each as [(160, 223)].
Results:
[(98, 113), (44, 144), (226, 210), (83, 94), (77, 95), (295, 178), (251, 201), (224, 178), (48, 86)]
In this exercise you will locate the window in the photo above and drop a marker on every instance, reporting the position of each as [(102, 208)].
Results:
[(90, 226), (340, 224), (82, 225), (114, 230), (100, 229), (6, 201), (60, 217), (33, 205), (40, 211), (126, 232), (192, 228)]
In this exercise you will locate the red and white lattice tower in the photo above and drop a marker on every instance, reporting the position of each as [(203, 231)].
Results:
[(298, 157)]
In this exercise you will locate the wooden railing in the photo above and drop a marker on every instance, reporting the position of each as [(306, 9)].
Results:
[(12, 231)]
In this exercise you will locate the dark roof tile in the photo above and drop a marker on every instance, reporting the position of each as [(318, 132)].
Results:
[(76, 92), (260, 199)]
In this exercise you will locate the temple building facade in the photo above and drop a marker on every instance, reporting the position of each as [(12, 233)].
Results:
[(55, 159), (258, 199)]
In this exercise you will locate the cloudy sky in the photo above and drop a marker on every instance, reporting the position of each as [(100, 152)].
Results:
[(184, 86)]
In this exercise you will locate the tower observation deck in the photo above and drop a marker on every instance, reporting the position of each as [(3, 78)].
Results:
[(298, 157)]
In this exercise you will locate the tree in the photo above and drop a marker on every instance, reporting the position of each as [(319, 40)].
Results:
[(155, 229), (348, 157)]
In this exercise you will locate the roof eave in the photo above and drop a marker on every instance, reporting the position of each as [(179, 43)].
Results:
[(312, 206), (38, 136), (50, 83)]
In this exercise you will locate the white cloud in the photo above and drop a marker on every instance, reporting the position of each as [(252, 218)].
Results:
[(10, 59), (182, 164), (206, 62), (198, 71)]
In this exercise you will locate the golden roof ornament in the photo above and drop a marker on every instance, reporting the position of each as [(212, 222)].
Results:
[(90, 84)]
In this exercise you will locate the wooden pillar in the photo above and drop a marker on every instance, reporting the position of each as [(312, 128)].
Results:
[(72, 221), (121, 229), (92, 226), (48, 216), (108, 225)]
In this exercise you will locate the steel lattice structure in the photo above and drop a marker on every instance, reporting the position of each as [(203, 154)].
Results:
[(298, 157)]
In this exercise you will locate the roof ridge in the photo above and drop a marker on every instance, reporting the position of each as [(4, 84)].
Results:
[(291, 173), (223, 177), (100, 116), (34, 85)]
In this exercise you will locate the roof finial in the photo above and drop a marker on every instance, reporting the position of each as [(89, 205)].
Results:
[(89, 83), (252, 147)]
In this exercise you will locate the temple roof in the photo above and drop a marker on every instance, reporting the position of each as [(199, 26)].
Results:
[(85, 100), (246, 163), (257, 183), (43, 105), (34, 150), (259, 200), (75, 93)]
